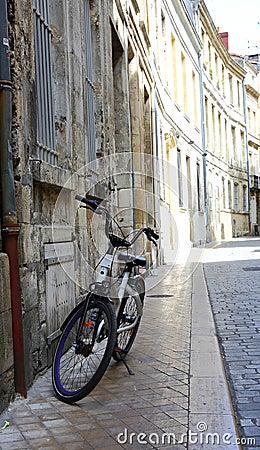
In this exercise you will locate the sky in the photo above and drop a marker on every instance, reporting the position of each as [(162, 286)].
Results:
[(241, 18)]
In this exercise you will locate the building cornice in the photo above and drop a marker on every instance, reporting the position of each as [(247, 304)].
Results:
[(252, 91), (186, 21)]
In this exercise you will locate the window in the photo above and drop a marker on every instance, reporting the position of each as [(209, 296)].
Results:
[(226, 140), (210, 194), (233, 135), (254, 122), (216, 68), (163, 49), (249, 118), (179, 178), (203, 38), (209, 55), (198, 187), (213, 127), (223, 79), (220, 134), (229, 195), (145, 13), (236, 197), (243, 147), (194, 88), (238, 95), (43, 78), (223, 193), (174, 71), (91, 135), (231, 94), (207, 120), (184, 82), (189, 188), (217, 204), (244, 198)]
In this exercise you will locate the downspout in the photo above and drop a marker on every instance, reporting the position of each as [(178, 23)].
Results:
[(203, 126), (204, 150), (10, 227), (157, 174)]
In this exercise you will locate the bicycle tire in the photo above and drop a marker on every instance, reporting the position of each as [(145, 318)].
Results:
[(77, 370), (127, 313)]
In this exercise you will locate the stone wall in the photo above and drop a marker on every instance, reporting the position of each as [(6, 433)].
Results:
[(47, 211), (6, 340)]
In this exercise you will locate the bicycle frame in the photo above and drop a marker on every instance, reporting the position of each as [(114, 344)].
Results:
[(124, 288), (100, 286)]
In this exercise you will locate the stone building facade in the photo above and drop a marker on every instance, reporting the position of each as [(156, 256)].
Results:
[(176, 47), (252, 108), (225, 136), (137, 102)]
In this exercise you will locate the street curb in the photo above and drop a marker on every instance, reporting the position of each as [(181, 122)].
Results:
[(211, 410)]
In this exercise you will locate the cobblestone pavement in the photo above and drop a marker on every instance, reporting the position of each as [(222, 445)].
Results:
[(154, 401), (232, 272)]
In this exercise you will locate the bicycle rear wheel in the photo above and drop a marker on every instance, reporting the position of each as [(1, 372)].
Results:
[(126, 316), (79, 366)]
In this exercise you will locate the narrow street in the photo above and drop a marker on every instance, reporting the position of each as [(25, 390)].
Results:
[(178, 397), (233, 281)]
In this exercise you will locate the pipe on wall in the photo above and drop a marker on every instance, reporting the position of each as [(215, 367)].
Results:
[(10, 227)]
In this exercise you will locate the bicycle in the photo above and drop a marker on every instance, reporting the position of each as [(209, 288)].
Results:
[(106, 319)]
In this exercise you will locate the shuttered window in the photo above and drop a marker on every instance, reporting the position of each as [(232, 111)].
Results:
[(44, 92)]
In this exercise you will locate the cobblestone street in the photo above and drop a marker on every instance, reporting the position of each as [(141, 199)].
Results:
[(154, 400), (176, 399), (232, 272)]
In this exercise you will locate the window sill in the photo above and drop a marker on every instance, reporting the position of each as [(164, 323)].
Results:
[(44, 172)]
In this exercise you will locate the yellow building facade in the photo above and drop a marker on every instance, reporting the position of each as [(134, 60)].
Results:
[(225, 136), (178, 136)]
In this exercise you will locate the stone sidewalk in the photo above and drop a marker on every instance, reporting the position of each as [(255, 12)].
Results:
[(177, 399), (232, 272)]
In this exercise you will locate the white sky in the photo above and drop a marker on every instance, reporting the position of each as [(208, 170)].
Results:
[(241, 18)]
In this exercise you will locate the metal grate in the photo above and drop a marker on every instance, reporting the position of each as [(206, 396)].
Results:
[(43, 72), (251, 269), (160, 296), (90, 104)]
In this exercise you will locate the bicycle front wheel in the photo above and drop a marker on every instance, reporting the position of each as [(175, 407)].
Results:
[(127, 315), (81, 358)]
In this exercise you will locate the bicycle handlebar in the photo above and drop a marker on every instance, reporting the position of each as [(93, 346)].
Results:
[(94, 203), (150, 233)]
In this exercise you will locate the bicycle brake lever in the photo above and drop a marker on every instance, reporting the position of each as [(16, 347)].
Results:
[(154, 242), (88, 207)]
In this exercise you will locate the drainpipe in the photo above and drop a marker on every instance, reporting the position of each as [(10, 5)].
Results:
[(204, 149), (203, 125), (10, 227)]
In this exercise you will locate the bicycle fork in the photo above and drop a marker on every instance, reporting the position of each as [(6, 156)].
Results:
[(124, 289)]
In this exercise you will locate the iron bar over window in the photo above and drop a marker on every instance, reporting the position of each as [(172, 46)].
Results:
[(90, 105), (43, 72)]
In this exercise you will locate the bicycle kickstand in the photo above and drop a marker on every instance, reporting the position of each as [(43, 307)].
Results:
[(122, 358)]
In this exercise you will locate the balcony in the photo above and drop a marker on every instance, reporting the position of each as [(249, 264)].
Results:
[(254, 182)]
